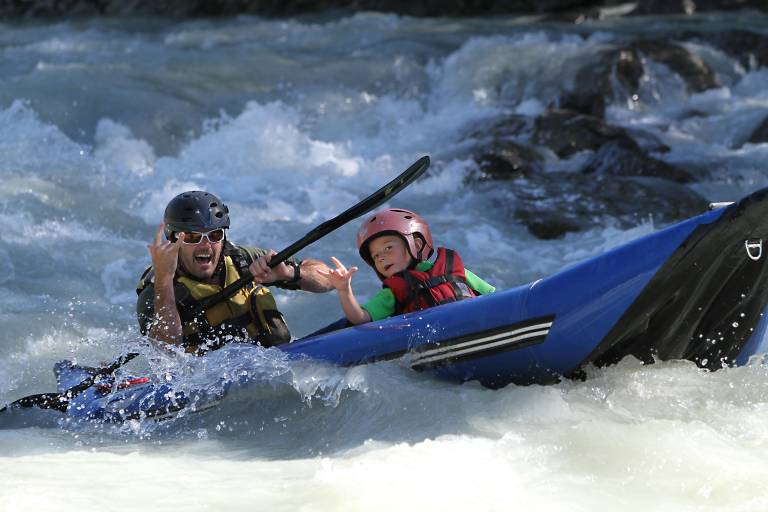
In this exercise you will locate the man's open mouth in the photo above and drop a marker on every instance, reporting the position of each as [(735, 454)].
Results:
[(204, 258)]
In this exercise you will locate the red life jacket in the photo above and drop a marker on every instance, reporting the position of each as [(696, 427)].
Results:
[(444, 282)]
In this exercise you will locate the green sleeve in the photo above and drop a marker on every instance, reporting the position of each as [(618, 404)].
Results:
[(381, 306), (478, 284)]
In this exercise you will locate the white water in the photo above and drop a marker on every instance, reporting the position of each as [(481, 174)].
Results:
[(292, 121)]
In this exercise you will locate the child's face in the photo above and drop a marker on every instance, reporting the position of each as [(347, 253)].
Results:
[(389, 254)]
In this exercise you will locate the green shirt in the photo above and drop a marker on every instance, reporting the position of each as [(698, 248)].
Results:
[(382, 305)]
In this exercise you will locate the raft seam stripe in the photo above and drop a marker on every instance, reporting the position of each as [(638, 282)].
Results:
[(480, 348), (485, 339)]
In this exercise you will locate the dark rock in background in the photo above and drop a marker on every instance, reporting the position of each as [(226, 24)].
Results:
[(615, 175), (197, 8), (760, 135), (510, 159), (566, 132), (690, 67), (614, 172), (693, 6), (749, 48), (624, 66), (625, 158), (594, 89), (501, 151), (562, 9), (554, 204)]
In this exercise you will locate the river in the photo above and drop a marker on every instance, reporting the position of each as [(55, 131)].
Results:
[(291, 121)]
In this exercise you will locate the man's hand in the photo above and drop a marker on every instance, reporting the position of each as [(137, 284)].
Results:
[(166, 326), (165, 255), (262, 273)]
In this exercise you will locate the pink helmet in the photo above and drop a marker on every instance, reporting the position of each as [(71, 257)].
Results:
[(395, 221)]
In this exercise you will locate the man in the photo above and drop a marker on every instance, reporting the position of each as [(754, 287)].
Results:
[(196, 261)]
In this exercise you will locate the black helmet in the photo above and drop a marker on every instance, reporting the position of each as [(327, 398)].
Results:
[(195, 211)]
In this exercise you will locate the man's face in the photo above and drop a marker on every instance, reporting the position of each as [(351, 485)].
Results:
[(201, 259)]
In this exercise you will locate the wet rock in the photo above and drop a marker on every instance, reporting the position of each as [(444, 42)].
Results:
[(568, 10), (566, 132), (519, 146), (749, 48), (693, 6), (629, 68), (584, 101), (509, 127), (760, 135), (616, 151), (34, 8), (499, 150), (555, 204), (696, 73), (625, 158), (509, 160), (615, 74), (615, 175), (594, 86), (664, 7)]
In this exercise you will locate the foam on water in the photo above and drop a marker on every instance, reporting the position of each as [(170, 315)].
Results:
[(667, 436)]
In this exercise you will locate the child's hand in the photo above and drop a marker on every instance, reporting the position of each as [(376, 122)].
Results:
[(340, 276)]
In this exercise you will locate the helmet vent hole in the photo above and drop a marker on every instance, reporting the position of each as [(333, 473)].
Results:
[(372, 219), (408, 217), (219, 215), (213, 205)]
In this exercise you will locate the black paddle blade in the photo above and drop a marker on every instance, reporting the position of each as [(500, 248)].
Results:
[(55, 401), (374, 200), (60, 401)]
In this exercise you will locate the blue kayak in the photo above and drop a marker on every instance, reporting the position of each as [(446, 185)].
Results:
[(696, 290)]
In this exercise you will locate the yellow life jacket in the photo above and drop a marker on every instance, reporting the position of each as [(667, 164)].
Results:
[(250, 315)]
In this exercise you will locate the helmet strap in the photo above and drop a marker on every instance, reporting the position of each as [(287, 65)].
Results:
[(418, 238)]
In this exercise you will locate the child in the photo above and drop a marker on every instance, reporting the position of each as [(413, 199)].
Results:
[(397, 244)]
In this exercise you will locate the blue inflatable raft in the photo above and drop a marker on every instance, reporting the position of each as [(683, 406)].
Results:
[(696, 290)]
